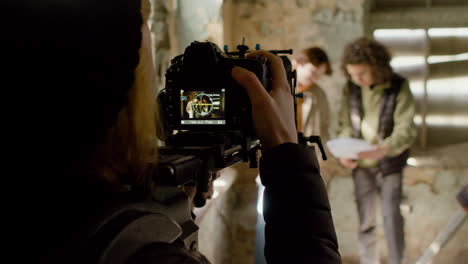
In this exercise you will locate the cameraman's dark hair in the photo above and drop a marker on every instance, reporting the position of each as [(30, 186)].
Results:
[(368, 51), (317, 57), (97, 113)]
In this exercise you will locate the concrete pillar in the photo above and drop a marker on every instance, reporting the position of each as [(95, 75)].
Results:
[(162, 26)]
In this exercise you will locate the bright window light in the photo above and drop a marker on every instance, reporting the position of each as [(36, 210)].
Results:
[(443, 120), (417, 88), (447, 58), (448, 87), (447, 32), (407, 61), (219, 183), (261, 189), (412, 162), (399, 33), (417, 120)]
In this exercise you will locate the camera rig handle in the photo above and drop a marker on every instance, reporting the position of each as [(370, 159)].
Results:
[(276, 52), (188, 166), (194, 165), (243, 49), (312, 139)]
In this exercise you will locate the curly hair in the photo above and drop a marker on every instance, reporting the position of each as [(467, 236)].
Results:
[(317, 57), (370, 52)]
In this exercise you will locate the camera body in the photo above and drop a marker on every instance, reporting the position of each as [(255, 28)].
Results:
[(201, 95)]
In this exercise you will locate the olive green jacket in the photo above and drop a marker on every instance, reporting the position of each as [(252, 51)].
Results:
[(404, 131)]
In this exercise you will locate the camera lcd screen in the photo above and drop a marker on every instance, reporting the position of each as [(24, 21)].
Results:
[(202, 107)]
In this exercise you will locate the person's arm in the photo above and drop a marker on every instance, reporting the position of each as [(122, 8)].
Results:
[(345, 129), (299, 226), (322, 111), (404, 131)]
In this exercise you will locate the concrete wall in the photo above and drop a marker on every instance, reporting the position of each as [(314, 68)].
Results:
[(176, 23), (199, 20)]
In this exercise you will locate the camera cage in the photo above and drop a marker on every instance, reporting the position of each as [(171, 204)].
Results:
[(196, 147)]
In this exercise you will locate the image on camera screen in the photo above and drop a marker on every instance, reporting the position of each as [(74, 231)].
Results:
[(202, 107)]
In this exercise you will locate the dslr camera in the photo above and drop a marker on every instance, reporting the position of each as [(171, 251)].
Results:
[(201, 95), (206, 115)]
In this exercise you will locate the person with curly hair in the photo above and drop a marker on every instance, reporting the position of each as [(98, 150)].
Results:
[(378, 107)]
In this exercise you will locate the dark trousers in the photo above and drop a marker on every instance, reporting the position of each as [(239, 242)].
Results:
[(368, 185)]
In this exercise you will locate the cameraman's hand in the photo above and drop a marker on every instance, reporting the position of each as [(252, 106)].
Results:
[(273, 112)]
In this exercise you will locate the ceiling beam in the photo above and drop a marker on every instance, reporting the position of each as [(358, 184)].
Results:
[(419, 17)]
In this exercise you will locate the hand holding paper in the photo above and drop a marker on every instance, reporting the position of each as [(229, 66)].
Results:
[(376, 153), (348, 147)]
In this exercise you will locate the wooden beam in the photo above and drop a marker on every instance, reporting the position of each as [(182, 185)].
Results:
[(413, 72), (369, 6), (419, 17), (424, 106), (449, 45), (451, 69), (405, 45), (428, 3), (414, 45)]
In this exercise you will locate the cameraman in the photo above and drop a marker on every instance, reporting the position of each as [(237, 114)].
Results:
[(88, 83)]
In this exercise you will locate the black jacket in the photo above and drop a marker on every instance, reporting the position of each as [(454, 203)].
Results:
[(299, 226)]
